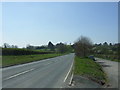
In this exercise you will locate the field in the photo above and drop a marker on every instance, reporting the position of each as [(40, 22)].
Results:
[(90, 69), (14, 60)]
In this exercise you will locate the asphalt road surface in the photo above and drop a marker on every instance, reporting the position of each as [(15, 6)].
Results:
[(48, 73), (111, 69)]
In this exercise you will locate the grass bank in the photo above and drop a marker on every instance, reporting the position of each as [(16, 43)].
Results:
[(90, 69), (14, 60)]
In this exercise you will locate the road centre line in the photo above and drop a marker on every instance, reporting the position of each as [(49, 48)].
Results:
[(19, 74)]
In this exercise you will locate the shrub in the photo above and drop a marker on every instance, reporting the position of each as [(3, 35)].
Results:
[(16, 51)]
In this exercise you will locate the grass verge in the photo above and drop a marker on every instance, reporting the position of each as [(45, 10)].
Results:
[(90, 69), (15, 60)]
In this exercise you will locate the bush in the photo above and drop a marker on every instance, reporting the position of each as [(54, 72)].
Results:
[(83, 47), (16, 51)]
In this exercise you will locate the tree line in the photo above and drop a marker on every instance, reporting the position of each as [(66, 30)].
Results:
[(83, 47), (18, 51), (59, 47), (30, 49), (105, 50)]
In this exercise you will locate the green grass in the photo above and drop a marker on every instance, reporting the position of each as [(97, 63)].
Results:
[(14, 60), (90, 69)]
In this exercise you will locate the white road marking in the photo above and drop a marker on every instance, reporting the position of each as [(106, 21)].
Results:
[(71, 79), (19, 74), (68, 72)]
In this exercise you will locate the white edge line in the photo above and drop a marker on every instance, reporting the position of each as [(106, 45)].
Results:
[(71, 79), (19, 74), (68, 72)]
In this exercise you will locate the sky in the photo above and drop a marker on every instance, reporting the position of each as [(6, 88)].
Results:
[(37, 23)]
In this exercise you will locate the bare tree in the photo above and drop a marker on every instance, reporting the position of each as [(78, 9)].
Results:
[(51, 46), (6, 45), (14, 46), (83, 46)]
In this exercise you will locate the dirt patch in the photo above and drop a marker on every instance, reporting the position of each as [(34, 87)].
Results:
[(83, 82)]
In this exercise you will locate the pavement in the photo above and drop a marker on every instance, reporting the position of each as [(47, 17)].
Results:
[(111, 69), (48, 73), (83, 82)]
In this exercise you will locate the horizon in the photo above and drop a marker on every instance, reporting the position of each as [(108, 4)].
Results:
[(37, 23), (55, 44)]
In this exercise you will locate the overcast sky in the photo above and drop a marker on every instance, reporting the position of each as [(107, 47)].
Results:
[(37, 23)]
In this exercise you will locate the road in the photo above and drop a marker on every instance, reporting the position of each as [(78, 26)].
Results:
[(48, 73), (111, 69)]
